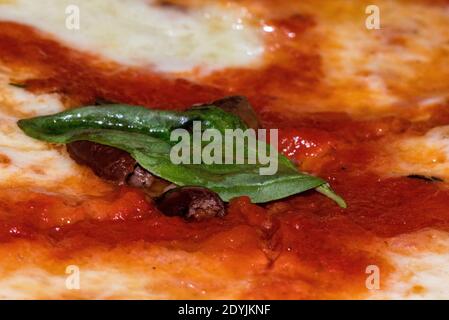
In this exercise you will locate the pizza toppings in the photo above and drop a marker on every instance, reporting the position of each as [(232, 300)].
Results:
[(146, 135), (106, 162), (313, 234), (240, 107), (140, 178), (192, 203)]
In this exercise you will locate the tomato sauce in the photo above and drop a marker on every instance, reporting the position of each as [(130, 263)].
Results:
[(84, 79), (303, 234)]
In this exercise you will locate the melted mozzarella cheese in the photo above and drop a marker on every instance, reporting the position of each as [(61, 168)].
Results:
[(371, 71), (125, 272), (136, 32), (426, 155), (420, 261), (26, 162)]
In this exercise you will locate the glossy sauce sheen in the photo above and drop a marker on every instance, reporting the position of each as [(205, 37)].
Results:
[(304, 246)]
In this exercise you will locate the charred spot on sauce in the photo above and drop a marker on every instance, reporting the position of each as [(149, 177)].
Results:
[(425, 178)]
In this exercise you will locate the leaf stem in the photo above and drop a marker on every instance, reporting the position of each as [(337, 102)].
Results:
[(326, 190)]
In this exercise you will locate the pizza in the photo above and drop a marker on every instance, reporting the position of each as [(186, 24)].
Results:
[(358, 95)]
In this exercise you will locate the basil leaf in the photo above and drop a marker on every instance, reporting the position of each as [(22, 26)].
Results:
[(59, 127), (145, 135)]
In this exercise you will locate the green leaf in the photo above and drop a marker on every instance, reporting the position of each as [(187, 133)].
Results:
[(58, 128), (145, 134)]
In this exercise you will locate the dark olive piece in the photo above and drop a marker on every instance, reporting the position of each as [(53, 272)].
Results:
[(116, 166), (107, 162), (140, 178), (192, 203)]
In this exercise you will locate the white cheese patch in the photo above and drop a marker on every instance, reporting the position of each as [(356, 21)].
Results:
[(425, 155), (372, 71), (140, 33), (121, 273), (420, 261), (25, 161), (30, 283)]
